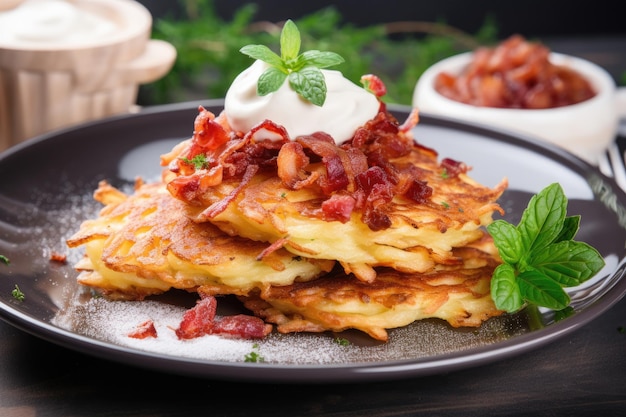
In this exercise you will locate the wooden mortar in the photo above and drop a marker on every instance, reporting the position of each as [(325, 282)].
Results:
[(47, 85)]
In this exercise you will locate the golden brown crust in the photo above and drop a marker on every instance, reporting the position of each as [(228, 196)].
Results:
[(145, 244), (420, 235), (458, 294)]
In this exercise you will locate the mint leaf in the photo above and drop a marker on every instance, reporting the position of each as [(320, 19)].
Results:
[(289, 41), (507, 239), (541, 290), (322, 59), (569, 263), (309, 83), (303, 70), (505, 291), (263, 53), (270, 81), (542, 220), (570, 228)]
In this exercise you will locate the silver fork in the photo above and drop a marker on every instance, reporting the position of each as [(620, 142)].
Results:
[(612, 164)]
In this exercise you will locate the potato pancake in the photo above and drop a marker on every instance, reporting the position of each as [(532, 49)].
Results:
[(144, 243), (312, 236), (458, 294), (381, 200)]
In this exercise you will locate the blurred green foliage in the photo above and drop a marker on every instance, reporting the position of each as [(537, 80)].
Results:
[(209, 59)]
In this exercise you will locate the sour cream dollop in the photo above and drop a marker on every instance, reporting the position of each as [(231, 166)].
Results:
[(52, 21), (347, 106)]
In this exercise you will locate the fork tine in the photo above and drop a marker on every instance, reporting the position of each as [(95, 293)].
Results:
[(617, 162), (604, 165)]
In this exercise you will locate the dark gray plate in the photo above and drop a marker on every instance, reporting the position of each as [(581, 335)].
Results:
[(46, 192)]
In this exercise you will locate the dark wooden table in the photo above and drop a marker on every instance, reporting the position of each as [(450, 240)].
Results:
[(582, 373)]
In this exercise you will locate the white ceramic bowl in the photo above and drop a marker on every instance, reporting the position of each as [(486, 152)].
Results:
[(585, 129)]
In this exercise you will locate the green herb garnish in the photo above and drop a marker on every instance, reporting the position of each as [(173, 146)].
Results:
[(342, 342), (254, 355), (199, 161), (540, 256), (18, 294), (303, 70), (4, 260)]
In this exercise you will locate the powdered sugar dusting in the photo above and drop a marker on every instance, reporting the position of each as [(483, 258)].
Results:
[(113, 321)]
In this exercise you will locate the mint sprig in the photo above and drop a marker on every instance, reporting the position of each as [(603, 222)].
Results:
[(540, 256), (303, 70)]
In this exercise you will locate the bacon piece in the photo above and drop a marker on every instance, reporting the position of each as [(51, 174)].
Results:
[(185, 187), (208, 134), (144, 330), (58, 257), (372, 177), (291, 163), (336, 179), (375, 219), (338, 207), (453, 168), (324, 146), (374, 84), (379, 190), (199, 320), (419, 191), (242, 326), (379, 136), (411, 121), (269, 127)]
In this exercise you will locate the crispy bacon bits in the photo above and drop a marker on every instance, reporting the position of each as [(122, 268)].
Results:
[(198, 321), (144, 330), (358, 175), (58, 257), (515, 74), (453, 168), (201, 320), (374, 84)]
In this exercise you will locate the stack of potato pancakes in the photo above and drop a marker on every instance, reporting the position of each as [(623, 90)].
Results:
[(312, 236)]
